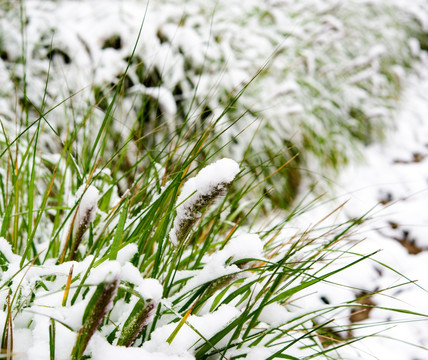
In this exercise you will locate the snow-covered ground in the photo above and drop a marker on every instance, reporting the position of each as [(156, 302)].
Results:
[(392, 189), (396, 178)]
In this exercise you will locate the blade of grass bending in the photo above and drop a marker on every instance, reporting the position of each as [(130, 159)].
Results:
[(398, 273), (239, 322), (180, 324), (346, 343)]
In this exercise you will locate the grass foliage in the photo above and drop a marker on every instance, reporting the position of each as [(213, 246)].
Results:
[(320, 78), (81, 269)]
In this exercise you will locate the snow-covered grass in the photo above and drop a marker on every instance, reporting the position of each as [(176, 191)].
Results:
[(102, 260), (126, 231), (320, 77)]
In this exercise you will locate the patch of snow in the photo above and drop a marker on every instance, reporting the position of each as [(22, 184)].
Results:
[(6, 250), (275, 315), (150, 289), (243, 246), (131, 274), (126, 253), (186, 339), (100, 349), (108, 271)]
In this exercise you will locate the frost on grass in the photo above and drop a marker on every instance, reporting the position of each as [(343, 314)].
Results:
[(199, 192)]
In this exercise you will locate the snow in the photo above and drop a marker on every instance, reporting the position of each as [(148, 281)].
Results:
[(126, 253), (187, 338), (392, 187), (150, 289), (88, 207), (219, 172), (34, 343), (40, 348), (258, 353), (131, 274), (165, 98), (275, 315), (108, 271), (100, 349), (244, 246), (6, 250)]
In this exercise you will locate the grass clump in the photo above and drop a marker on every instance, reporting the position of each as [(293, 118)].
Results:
[(330, 85), (121, 233), (160, 266)]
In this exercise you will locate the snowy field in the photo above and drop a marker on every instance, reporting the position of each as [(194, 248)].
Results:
[(317, 83), (392, 189)]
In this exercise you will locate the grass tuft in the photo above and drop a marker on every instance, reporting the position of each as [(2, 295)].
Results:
[(123, 224)]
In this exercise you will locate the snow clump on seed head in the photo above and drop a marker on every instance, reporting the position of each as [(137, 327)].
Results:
[(88, 204), (199, 192)]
